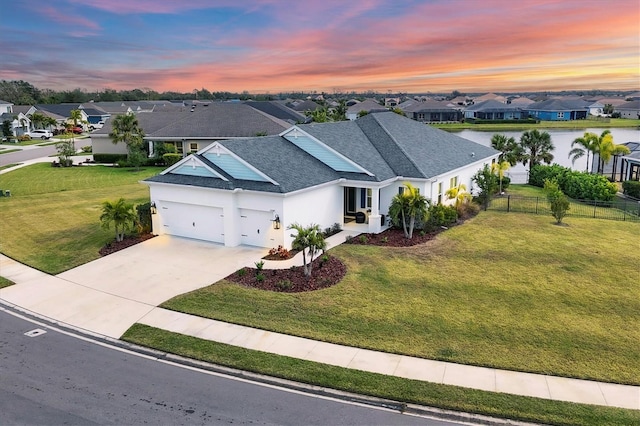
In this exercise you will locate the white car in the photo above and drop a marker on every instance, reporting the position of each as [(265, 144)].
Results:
[(40, 134), (96, 126)]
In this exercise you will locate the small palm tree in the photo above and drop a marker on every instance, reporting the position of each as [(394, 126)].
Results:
[(408, 207), (309, 239), (606, 148), (458, 193), (500, 168), (586, 144), (125, 128), (121, 214)]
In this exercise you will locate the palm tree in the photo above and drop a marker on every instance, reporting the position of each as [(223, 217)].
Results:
[(458, 193), (38, 119), (606, 148), (76, 116), (499, 168), (319, 115), (308, 239), (408, 206), (586, 144), (125, 128), (121, 214), (508, 146), (536, 148)]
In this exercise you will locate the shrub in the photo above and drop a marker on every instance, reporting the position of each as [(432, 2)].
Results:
[(108, 158), (577, 185), (86, 149), (259, 265), (631, 188), (284, 285), (441, 215), (170, 159), (506, 181), (144, 218), (539, 173), (557, 200), (242, 272), (24, 138), (260, 277), (363, 239), (280, 251)]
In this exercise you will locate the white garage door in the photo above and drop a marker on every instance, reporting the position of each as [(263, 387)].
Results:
[(193, 221), (256, 228)]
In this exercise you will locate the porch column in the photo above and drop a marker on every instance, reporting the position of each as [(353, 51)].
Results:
[(374, 217)]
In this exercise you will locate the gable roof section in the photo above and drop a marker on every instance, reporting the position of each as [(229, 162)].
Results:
[(368, 105), (418, 150), (193, 166), (278, 110), (492, 105), (322, 152), (559, 105), (233, 165)]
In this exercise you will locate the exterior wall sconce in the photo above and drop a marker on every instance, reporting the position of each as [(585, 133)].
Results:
[(153, 208), (276, 222)]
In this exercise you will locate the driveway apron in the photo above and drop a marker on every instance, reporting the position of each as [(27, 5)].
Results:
[(110, 294)]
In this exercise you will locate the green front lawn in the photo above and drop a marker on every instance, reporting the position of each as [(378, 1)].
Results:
[(509, 291), (4, 282), (394, 388), (51, 221)]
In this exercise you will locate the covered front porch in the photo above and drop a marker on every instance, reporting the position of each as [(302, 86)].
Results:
[(361, 210)]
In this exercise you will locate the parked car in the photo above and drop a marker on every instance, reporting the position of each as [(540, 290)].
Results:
[(96, 126), (75, 129), (39, 134)]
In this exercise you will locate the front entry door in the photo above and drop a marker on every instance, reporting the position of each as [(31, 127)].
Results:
[(349, 201)]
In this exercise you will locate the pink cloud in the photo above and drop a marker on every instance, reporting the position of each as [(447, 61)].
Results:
[(67, 18)]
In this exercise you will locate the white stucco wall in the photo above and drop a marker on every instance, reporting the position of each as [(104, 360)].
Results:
[(104, 145)]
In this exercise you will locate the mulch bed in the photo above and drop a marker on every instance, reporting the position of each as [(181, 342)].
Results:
[(325, 273), (394, 237), (128, 241)]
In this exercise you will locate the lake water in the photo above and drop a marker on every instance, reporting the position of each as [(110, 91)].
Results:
[(561, 139)]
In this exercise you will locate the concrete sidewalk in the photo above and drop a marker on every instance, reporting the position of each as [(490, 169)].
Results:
[(91, 299)]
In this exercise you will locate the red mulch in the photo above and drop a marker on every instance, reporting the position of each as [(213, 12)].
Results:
[(292, 280), (394, 237), (128, 241)]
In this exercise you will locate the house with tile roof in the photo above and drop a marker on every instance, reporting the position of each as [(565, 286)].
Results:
[(559, 109), (493, 110), (247, 191), (431, 111)]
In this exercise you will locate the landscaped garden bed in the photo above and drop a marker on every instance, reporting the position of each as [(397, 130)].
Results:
[(128, 241)]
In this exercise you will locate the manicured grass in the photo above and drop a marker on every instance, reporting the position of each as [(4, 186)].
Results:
[(9, 166), (509, 291), (51, 221), (388, 387), (574, 124), (4, 282), (7, 151)]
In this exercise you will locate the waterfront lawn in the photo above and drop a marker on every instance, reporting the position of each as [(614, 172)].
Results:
[(509, 291), (51, 221), (514, 125)]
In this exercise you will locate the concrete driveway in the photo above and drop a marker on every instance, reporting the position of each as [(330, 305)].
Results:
[(112, 293)]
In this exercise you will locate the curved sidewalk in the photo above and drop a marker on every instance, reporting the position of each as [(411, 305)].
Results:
[(488, 379)]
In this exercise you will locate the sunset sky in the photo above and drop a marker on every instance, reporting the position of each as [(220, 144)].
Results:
[(330, 45)]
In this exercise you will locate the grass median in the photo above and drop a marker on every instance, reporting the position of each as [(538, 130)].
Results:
[(378, 385)]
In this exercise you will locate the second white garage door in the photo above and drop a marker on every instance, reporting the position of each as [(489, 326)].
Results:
[(255, 228), (193, 221)]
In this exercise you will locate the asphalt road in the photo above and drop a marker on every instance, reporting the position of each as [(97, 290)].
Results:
[(27, 153), (55, 378)]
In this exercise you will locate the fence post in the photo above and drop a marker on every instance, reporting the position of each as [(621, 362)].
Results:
[(595, 203), (508, 203), (624, 211), (536, 205)]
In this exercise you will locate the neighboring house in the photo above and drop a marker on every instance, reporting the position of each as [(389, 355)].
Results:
[(620, 167), (368, 105), (248, 191), (194, 128), (19, 123), (431, 111), (62, 110), (494, 110), (559, 109), (6, 107), (94, 115), (490, 97), (629, 109), (278, 110), (304, 106), (521, 101), (596, 108)]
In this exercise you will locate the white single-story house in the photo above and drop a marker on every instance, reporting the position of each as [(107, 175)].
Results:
[(249, 190)]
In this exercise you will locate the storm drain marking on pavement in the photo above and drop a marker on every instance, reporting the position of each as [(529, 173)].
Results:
[(35, 333)]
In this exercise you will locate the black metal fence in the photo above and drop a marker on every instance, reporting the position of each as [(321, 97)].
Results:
[(618, 209)]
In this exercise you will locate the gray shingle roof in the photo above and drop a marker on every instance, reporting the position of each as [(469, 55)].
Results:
[(492, 105), (385, 144), (559, 105)]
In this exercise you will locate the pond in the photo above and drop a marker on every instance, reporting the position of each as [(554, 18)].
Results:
[(561, 139)]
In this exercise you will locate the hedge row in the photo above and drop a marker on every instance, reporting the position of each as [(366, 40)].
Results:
[(576, 185), (109, 158)]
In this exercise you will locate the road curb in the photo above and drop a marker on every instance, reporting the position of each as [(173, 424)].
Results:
[(161, 356)]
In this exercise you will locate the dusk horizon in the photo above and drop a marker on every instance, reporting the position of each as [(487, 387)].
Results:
[(268, 46)]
